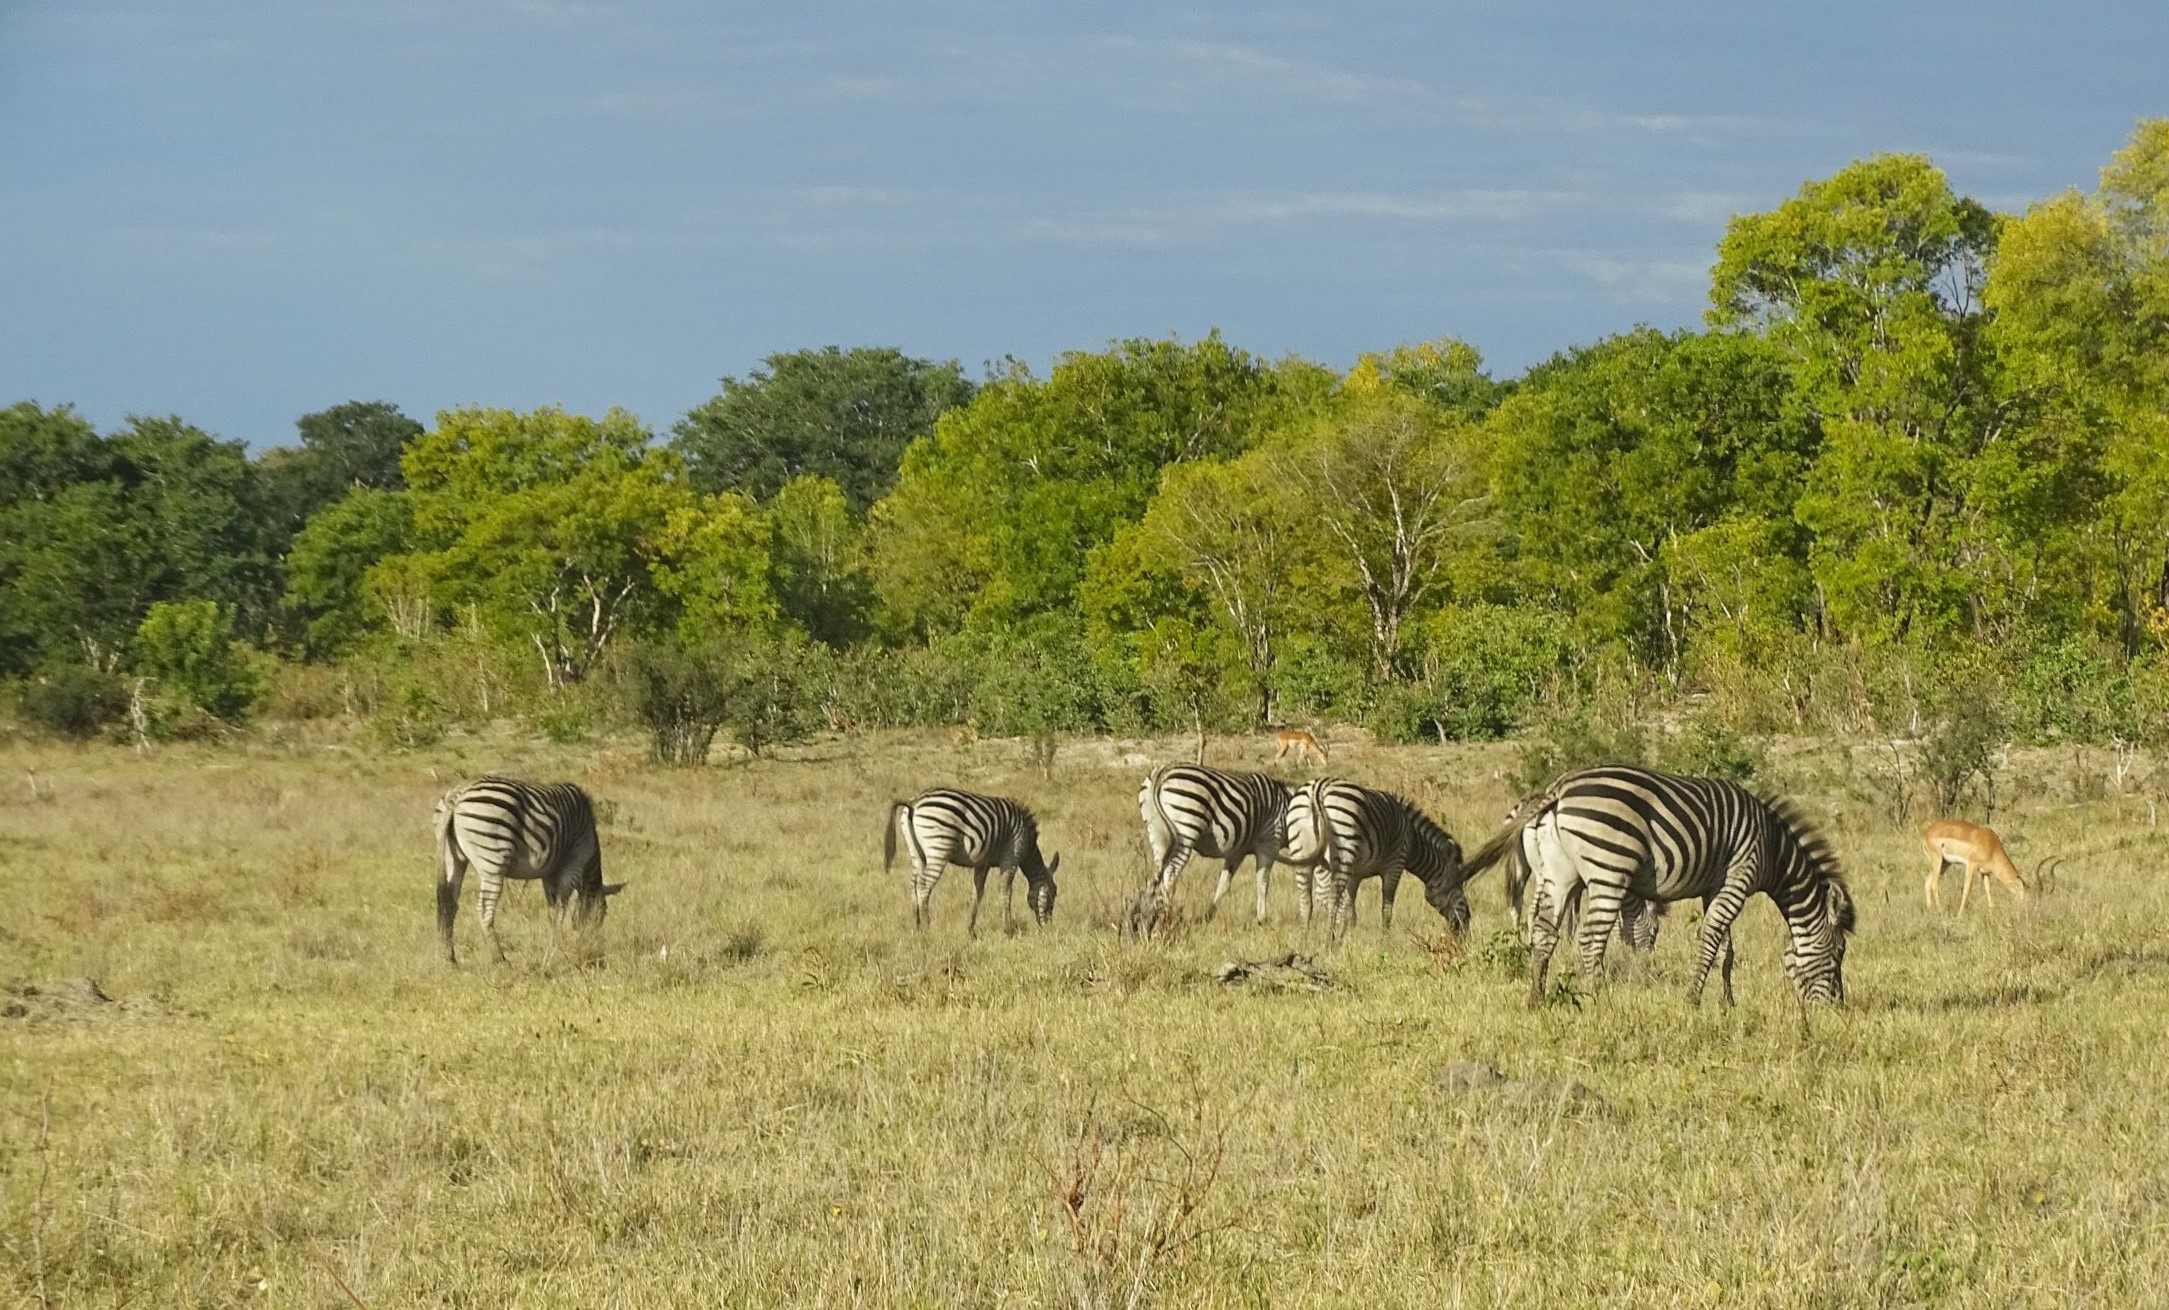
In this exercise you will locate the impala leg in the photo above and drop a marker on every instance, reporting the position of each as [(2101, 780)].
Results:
[(1966, 894), (1932, 892)]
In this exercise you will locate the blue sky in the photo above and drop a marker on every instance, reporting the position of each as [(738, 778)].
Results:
[(241, 212)]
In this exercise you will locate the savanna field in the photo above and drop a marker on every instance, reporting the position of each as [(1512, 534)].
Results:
[(771, 1091)]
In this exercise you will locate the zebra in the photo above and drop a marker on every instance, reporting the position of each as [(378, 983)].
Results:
[(1357, 832), (944, 826), (1190, 809), (1600, 835), (1638, 919), (507, 828)]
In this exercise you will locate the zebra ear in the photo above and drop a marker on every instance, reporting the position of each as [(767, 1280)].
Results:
[(612, 888), (1054, 864)]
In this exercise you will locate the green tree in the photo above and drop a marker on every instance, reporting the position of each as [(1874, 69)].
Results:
[(995, 512), (2080, 293), (1871, 281), (1610, 458), (1396, 485), (551, 525), (845, 415), (324, 598), (819, 554), (94, 530), (350, 447), (188, 646)]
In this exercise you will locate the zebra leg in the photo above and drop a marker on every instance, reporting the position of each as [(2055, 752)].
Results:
[(1388, 884), (493, 886), (1717, 915), (1163, 885), (1543, 938), (979, 893), (1227, 876), (1009, 899), (455, 873), (926, 867), (1344, 907), (1264, 860), (1600, 909)]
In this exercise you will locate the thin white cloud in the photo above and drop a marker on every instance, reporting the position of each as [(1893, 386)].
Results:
[(1190, 219), (1633, 279)]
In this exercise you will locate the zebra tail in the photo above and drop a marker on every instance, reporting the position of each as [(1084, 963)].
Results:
[(1506, 839), (888, 834), (445, 840)]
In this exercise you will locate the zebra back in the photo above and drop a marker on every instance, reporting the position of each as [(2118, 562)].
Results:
[(529, 828), (1215, 812)]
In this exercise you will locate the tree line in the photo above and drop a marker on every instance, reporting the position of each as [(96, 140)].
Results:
[(1913, 469)]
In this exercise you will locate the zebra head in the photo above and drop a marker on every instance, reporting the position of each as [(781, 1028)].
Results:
[(1821, 921), (594, 902), (1042, 894)]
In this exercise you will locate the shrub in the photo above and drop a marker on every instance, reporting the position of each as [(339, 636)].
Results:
[(1578, 741), (1485, 668), (680, 696), (188, 647), (75, 702), (1708, 749)]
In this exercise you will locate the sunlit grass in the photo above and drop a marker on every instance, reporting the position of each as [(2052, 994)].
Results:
[(773, 1092)]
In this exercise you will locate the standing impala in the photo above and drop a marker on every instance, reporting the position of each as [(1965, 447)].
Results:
[(1978, 852)]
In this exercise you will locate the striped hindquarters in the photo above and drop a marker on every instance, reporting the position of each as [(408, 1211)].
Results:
[(962, 827), (1661, 836), (1359, 832), (1212, 812), (518, 829)]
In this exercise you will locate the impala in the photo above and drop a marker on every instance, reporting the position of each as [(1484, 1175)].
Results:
[(1978, 852), (1299, 741)]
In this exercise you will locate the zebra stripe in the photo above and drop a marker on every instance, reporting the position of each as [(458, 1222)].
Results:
[(1638, 919), (1357, 832), (944, 827), (1603, 834), (506, 828), (1189, 809)]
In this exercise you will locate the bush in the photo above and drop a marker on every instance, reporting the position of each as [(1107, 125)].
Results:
[(1485, 669), (188, 647), (1708, 749), (1960, 751), (75, 702), (1578, 741), (680, 696)]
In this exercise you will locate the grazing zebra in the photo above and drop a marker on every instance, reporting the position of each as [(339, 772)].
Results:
[(1637, 917), (1356, 833), (1190, 809), (506, 828), (1600, 835), (944, 827)]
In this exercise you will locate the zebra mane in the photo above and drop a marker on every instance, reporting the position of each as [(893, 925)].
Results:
[(1821, 856), (1428, 829)]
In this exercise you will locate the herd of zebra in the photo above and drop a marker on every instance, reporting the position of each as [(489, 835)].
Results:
[(1603, 848)]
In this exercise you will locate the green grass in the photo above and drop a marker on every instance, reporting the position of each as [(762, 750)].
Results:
[(773, 1092)]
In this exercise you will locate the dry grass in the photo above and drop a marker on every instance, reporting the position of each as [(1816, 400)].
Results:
[(773, 1092)]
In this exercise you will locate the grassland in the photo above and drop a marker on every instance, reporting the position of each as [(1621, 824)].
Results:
[(772, 1092)]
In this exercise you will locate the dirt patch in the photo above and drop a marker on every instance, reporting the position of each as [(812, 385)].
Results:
[(80, 1000)]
